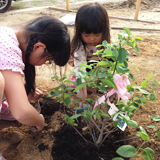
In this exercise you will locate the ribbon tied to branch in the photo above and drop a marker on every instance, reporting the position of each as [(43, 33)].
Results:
[(121, 83)]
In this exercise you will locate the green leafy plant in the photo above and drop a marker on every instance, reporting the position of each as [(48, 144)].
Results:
[(102, 116), (128, 151)]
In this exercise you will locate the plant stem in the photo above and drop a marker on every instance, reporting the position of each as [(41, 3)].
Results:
[(101, 133), (140, 148), (80, 134), (126, 139), (114, 129), (90, 131), (115, 68), (108, 125), (96, 125)]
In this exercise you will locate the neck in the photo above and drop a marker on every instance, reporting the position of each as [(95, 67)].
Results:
[(22, 42)]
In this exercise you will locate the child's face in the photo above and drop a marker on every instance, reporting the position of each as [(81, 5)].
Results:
[(92, 39), (35, 57)]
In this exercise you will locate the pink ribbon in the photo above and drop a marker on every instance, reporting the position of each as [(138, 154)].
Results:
[(121, 83)]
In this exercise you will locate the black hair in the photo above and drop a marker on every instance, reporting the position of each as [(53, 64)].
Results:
[(90, 18), (54, 34)]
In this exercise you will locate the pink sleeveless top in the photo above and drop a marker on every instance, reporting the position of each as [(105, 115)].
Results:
[(10, 53)]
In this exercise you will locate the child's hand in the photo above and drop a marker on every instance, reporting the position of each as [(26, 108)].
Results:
[(82, 94), (36, 95), (40, 127)]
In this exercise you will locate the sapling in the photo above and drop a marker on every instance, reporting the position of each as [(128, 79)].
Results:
[(129, 151), (101, 115)]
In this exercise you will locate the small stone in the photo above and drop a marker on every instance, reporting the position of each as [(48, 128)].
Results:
[(16, 137), (84, 128), (134, 54)]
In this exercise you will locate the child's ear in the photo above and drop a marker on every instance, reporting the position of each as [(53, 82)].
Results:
[(38, 45)]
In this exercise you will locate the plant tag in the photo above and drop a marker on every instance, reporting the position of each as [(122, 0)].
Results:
[(121, 123), (112, 110)]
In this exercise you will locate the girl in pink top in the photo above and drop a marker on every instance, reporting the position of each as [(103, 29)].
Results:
[(91, 28), (45, 38)]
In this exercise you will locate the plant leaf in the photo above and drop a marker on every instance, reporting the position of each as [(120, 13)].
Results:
[(122, 69), (84, 65), (102, 63), (109, 83), (132, 123), (151, 126), (98, 116), (127, 151), (117, 158), (143, 91), (67, 101), (104, 43), (122, 55), (151, 75), (148, 153), (79, 87), (127, 30), (156, 83), (144, 136), (143, 130), (115, 53), (152, 97), (144, 83), (136, 49), (54, 77), (138, 38), (155, 118), (54, 93)]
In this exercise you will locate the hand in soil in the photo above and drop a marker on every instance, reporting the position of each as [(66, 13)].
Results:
[(39, 128), (36, 95)]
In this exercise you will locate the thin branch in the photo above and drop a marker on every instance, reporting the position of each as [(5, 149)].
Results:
[(108, 125), (114, 129), (101, 132), (115, 67), (80, 134), (96, 125), (126, 139), (90, 131)]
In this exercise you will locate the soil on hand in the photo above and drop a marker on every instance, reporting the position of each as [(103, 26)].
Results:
[(60, 141)]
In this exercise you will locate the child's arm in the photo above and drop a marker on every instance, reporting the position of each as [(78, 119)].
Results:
[(80, 57), (1, 87), (17, 98)]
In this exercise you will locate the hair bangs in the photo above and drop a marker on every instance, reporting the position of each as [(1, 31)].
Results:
[(90, 26)]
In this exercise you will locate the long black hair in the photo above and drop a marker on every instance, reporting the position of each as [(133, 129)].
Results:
[(90, 18), (54, 34)]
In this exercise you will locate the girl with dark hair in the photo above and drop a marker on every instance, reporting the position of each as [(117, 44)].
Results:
[(91, 28), (45, 38)]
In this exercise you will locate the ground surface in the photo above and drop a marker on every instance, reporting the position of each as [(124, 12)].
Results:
[(59, 141)]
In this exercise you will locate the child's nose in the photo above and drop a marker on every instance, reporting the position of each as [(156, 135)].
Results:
[(91, 38)]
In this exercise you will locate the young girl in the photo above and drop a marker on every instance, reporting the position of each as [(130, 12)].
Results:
[(45, 38), (91, 28)]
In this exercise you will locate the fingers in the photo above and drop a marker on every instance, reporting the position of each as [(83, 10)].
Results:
[(81, 105), (34, 99), (38, 128), (38, 93)]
